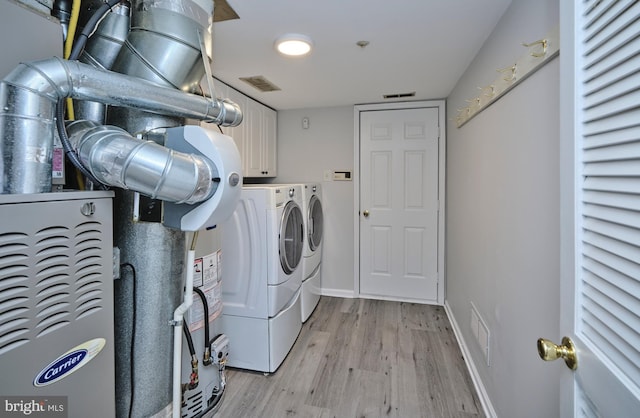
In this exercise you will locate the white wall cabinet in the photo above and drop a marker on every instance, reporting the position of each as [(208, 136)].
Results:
[(256, 135)]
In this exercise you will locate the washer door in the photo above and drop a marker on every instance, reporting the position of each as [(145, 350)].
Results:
[(291, 237), (314, 222)]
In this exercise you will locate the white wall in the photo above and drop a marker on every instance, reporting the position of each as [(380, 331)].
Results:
[(303, 156), (21, 43), (503, 217)]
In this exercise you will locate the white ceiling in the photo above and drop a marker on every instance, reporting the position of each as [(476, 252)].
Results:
[(414, 45)]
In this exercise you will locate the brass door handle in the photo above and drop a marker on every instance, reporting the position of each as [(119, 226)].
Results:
[(365, 213), (549, 351)]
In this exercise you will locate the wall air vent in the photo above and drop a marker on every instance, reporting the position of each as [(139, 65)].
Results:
[(223, 11), (261, 83), (399, 95)]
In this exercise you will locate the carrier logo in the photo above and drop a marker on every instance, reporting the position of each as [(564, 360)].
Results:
[(69, 362)]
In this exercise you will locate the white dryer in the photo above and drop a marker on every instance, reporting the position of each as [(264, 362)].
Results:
[(262, 246), (312, 251)]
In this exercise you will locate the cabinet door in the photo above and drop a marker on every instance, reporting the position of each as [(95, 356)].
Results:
[(253, 134), (269, 149)]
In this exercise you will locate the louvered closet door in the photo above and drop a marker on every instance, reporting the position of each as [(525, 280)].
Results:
[(601, 252)]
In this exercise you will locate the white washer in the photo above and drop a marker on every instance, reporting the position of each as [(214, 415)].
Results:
[(312, 251), (262, 247)]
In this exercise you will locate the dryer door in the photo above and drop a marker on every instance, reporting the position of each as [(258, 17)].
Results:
[(291, 237), (314, 222)]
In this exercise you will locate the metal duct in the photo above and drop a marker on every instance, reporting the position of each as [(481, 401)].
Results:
[(101, 51), (55, 78), (28, 98), (117, 159), (164, 43)]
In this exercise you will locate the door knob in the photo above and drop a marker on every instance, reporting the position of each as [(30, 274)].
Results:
[(549, 351), (365, 213)]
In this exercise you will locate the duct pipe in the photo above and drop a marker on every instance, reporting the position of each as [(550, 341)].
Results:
[(164, 44), (117, 159), (28, 97), (55, 78), (101, 51)]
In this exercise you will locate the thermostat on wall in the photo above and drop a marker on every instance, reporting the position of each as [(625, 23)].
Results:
[(343, 175)]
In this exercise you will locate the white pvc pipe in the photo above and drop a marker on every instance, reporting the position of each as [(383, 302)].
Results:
[(178, 315)]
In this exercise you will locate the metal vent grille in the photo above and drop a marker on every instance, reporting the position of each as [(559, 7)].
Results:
[(399, 95), (14, 269), (52, 265), (259, 82), (51, 274), (193, 405)]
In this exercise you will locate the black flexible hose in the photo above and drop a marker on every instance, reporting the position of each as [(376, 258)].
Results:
[(66, 144), (81, 40), (133, 335), (187, 334), (206, 315), (78, 47)]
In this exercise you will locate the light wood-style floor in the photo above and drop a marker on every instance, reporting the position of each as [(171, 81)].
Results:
[(362, 358)]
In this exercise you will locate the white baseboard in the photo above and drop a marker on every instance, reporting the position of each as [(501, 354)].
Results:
[(338, 293), (489, 411)]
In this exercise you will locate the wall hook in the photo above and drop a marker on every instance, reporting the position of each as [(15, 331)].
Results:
[(466, 110), (512, 69), (543, 42), (488, 91), (473, 102)]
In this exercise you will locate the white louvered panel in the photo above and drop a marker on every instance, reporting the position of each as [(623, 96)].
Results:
[(599, 325), (617, 319), (613, 215), (613, 200), (613, 168), (612, 268), (620, 121), (614, 27), (626, 151), (584, 407), (596, 11), (626, 239), (616, 231), (616, 322), (610, 199), (624, 306), (628, 186), (618, 99), (608, 138), (622, 62)]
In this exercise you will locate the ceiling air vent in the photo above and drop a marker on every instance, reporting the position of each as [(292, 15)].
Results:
[(399, 95), (261, 83)]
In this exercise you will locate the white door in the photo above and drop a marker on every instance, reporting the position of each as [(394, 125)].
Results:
[(399, 203), (600, 240)]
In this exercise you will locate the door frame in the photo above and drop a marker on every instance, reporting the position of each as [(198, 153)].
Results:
[(442, 146)]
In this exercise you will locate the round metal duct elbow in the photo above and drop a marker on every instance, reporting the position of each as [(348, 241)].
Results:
[(117, 159)]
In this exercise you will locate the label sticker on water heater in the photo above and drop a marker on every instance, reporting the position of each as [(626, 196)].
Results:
[(69, 362)]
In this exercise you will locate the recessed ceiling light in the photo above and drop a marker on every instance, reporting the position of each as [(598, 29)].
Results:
[(294, 44)]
